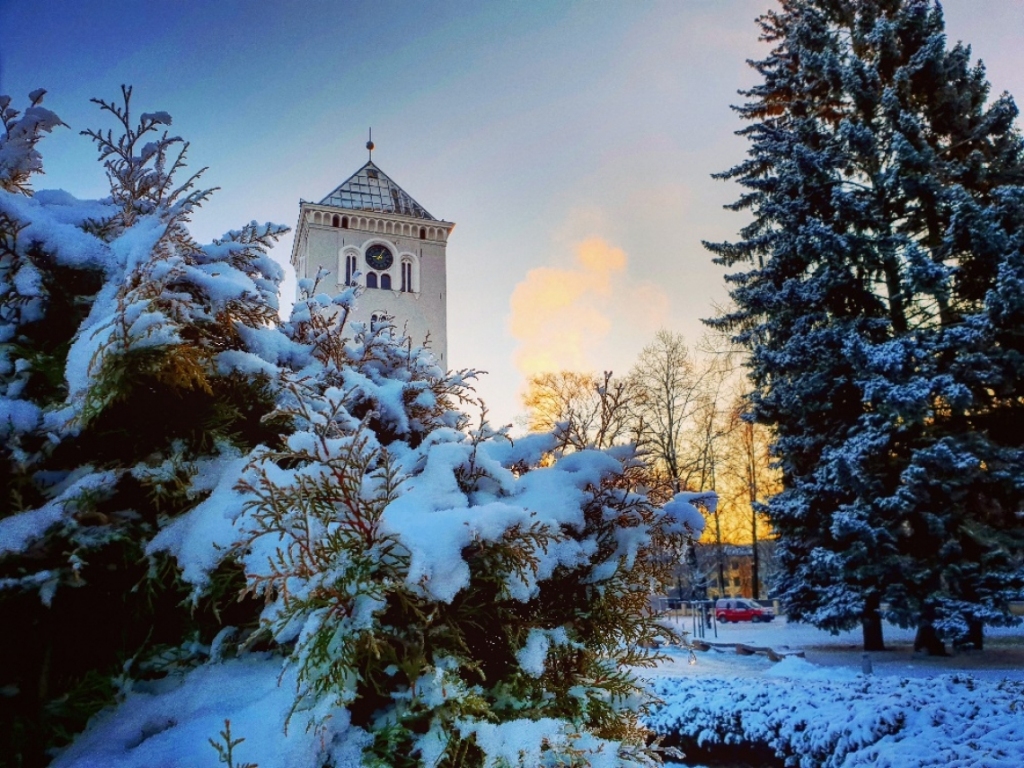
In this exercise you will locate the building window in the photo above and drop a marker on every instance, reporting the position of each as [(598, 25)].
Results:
[(385, 281), (335, 221), (344, 222), (350, 268), (423, 234), (371, 280), (407, 276)]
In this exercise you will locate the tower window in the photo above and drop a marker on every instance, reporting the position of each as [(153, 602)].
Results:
[(385, 281), (407, 276), (344, 222), (350, 268), (371, 280), (335, 221), (423, 234)]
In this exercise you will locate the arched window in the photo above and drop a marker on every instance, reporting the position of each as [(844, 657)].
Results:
[(407, 276), (371, 280), (385, 281), (344, 222), (335, 221), (350, 268), (423, 234), (374, 319)]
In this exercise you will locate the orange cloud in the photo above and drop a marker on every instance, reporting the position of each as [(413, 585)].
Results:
[(562, 316)]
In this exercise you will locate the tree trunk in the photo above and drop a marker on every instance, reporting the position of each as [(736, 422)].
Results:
[(894, 288), (871, 624), (720, 553), (756, 566), (976, 633), (698, 583), (752, 488), (927, 639)]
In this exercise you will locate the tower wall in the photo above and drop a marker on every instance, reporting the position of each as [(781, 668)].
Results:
[(322, 242)]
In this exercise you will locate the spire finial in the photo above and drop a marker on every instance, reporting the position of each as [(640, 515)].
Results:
[(369, 144)]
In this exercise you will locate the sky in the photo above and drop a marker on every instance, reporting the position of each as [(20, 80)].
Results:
[(572, 143)]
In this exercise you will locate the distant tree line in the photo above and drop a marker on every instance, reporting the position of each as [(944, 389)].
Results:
[(684, 409)]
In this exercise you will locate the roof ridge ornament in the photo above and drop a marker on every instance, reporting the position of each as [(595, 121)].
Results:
[(369, 145)]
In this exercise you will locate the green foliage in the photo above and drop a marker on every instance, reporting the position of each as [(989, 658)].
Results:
[(418, 671), (225, 748), (166, 372), (878, 292), (108, 456)]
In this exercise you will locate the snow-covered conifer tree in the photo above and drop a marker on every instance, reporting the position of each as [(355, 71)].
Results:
[(213, 516), (882, 185), (451, 593), (118, 402)]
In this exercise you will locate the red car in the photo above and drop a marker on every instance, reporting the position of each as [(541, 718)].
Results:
[(739, 609)]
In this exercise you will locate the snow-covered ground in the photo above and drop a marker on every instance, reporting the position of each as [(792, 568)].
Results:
[(1003, 656), (965, 710)]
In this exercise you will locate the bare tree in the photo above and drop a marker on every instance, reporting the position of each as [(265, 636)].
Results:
[(681, 407), (583, 410), (668, 381)]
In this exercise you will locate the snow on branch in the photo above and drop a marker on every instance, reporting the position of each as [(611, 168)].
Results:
[(142, 175), (19, 158)]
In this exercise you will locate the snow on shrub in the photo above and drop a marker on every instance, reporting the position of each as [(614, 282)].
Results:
[(811, 720), (114, 414), (465, 597), (238, 504)]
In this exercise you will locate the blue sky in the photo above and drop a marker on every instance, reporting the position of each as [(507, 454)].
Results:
[(571, 142)]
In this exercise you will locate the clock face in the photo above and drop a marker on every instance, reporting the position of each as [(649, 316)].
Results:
[(379, 256)]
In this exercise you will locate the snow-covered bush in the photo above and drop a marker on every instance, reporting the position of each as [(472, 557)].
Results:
[(813, 718), (466, 600), (115, 411), (428, 593), (19, 159)]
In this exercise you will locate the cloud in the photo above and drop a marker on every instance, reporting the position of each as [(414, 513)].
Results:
[(564, 317)]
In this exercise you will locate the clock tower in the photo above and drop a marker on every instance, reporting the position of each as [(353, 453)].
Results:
[(371, 232)]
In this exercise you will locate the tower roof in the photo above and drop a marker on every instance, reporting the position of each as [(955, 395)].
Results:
[(370, 189)]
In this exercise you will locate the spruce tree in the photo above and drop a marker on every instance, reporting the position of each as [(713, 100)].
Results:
[(883, 186)]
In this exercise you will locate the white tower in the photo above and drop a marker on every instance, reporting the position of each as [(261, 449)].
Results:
[(370, 231)]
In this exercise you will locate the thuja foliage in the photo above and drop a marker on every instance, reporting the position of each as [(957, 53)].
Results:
[(186, 479), (114, 401), (462, 602)]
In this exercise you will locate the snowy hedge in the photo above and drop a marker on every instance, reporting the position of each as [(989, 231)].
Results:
[(808, 718)]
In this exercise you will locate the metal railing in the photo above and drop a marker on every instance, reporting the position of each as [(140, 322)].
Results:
[(701, 613)]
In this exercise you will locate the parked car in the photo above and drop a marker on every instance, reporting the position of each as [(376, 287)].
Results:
[(739, 609)]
